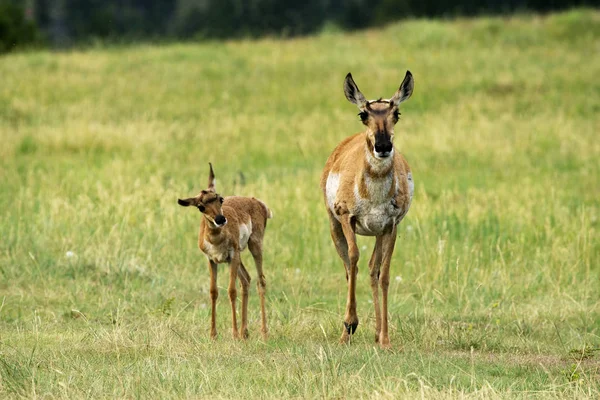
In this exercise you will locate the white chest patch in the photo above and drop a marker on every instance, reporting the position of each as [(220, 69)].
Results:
[(376, 213), (245, 232), (218, 254), (331, 188)]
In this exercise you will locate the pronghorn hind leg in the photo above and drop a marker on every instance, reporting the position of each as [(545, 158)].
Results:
[(255, 247), (388, 243), (339, 240), (374, 270), (348, 224), (245, 283)]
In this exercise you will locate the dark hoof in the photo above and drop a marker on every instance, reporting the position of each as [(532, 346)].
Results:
[(351, 328)]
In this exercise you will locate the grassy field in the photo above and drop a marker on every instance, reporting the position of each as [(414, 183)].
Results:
[(496, 275)]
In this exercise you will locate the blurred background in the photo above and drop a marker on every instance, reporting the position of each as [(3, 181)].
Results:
[(60, 23)]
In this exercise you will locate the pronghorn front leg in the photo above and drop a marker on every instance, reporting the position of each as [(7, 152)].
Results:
[(388, 241), (374, 271), (231, 290), (348, 223), (214, 294), (339, 240)]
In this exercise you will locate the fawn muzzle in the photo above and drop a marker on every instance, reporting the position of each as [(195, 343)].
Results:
[(220, 220)]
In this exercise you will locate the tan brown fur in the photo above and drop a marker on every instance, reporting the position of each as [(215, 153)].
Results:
[(367, 186), (246, 221)]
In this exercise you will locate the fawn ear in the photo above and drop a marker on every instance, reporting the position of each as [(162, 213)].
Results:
[(352, 92), (211, 179), (404, 91), (184, 202)]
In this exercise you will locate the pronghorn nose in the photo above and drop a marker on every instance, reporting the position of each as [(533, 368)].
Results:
[(384, 147), (220, 220)]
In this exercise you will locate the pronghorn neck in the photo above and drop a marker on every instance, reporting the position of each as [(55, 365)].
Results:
[(377, 167)]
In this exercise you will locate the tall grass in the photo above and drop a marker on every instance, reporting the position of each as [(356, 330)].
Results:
[(496, 271)]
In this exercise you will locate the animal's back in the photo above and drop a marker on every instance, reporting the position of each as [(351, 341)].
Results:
[(251, 215)]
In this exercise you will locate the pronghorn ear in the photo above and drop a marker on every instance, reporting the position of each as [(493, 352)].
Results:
[(184, 202), (352, 92), (211, 179), (405, 90)]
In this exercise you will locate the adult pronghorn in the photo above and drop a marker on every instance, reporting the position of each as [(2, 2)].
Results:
[(368, 188), (228, 226)]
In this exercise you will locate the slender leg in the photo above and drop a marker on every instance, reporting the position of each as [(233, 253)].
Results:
[(339, 240), (231, 290), (214, 294), (374, 269), (388, 243), (255, 248), (349, 228), (245, 281)]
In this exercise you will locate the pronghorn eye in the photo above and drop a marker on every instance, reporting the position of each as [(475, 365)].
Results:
[(201, 207), (363, 116)]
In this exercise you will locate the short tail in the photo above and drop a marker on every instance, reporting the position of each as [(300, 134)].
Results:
[(267, 209)]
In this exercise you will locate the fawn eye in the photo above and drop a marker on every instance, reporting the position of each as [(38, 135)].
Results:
[(201, 208), (221, 199), (363, 116)]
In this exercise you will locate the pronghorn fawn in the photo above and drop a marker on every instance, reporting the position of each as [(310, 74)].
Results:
[(368, 188), (227, 227)]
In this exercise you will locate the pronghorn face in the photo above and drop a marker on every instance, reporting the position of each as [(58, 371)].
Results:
[(208, 203), (379, 116)]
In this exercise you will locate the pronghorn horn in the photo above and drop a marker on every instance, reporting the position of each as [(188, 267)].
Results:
[(211, 178)]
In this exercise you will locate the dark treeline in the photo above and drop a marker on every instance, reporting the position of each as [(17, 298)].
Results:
[(64, 22)]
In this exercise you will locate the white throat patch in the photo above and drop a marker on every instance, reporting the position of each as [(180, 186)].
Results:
[(379, 164)]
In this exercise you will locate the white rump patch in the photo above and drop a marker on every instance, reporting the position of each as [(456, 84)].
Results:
[(331, 188)]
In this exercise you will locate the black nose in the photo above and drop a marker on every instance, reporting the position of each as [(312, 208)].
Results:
[(384, 147), (220, 219)]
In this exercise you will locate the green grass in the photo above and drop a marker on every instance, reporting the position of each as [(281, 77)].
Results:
[(496, 273)]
